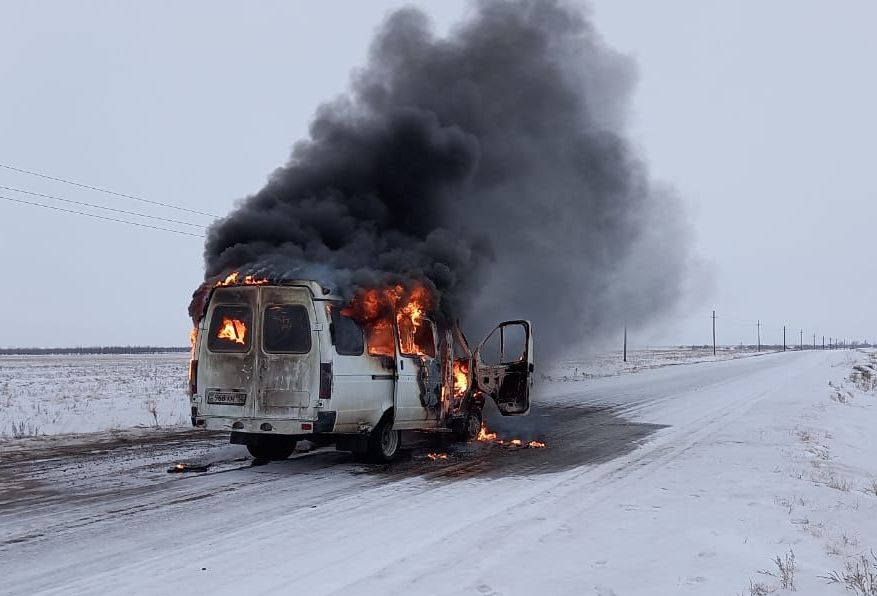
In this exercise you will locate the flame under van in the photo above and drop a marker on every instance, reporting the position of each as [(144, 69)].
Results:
[(277, 363)]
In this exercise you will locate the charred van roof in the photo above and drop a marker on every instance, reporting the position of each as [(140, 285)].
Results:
[(317, 290)]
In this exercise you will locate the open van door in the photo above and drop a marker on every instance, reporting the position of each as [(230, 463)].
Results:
[(503, 365)]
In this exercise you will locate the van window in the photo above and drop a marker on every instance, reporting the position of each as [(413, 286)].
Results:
[(507, 344), (230, 329), (424, 340), (346, 335), (286, 329)]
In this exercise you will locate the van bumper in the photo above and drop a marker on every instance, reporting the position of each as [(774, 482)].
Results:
[(324, 423)]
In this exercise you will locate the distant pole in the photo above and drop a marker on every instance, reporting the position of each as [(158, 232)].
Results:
[(784, 338), (823, 342), (625, 341), (814, 341), (758, 325), (714, 333), (801, 345)]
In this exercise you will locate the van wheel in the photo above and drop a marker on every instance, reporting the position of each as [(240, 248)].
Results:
[(470, 427), (274, 450), (384, 442)]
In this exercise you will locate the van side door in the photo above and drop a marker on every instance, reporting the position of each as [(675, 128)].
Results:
[(362, 383), (417, 395), (503, 365)]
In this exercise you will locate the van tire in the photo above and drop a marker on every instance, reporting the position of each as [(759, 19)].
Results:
[(273, 450), (470, 426), (384, 442)]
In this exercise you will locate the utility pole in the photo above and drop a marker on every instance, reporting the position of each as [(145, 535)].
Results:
[(714, 333), (758, 325), (801, 345), (625, 340), (814, 341), (784, 338), (823, 342)]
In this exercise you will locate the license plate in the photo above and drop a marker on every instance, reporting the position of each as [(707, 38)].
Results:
[(226, 398)]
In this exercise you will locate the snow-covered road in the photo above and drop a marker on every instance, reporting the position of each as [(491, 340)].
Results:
[(661, 482)]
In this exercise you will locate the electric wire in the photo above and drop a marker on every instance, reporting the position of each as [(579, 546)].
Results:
[(131, 223), (104, 190), (37, 194)]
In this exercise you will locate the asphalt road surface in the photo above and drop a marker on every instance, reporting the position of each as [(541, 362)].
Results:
[(101, 513)]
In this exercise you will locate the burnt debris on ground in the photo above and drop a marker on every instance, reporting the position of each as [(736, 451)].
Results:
[(573, 436)]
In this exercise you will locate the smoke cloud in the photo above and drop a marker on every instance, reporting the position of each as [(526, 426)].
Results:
[(490, 164)]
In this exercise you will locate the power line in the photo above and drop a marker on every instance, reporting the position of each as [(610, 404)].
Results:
[(36, 194), (104, 190), (132, 223)]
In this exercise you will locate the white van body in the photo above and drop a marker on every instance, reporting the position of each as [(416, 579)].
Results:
[(275, 363)]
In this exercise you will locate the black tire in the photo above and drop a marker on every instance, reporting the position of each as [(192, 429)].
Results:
[(275, 449), (321, 440), (384, 442), (470, 426)]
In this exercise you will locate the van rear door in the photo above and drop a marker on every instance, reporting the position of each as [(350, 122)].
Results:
[(289, 354), (503, 366), (228, 359)]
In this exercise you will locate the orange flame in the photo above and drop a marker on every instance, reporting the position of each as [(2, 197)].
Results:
[(233, 330), (485, 435), (193, 337), (375, 309), (461, 377), (234, 278), (436, 456)]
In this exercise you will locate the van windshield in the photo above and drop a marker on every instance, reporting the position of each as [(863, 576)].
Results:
[(230, 329)]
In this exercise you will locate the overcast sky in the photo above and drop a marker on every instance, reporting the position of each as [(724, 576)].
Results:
[(760, 114)]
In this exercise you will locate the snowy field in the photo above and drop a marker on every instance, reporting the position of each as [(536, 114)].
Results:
[(743, 476), (49, 395), (606, 364)]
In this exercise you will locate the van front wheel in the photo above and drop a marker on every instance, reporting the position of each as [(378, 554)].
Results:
[(274, 450), (467, 428), (384, 442)]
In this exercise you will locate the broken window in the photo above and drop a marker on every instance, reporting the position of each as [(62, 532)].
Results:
[(506, 345), (286, 329), (230, 329), (421, 338), (346, 334)]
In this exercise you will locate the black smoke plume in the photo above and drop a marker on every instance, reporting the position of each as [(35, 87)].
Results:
[(489, 164)]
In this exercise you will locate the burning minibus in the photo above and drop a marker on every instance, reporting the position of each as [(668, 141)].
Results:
[(275, 362)]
